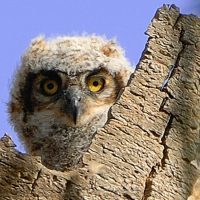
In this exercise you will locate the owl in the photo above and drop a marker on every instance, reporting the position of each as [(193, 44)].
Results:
[(62, 92)]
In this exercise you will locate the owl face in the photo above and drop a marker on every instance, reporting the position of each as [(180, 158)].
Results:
[(75, 99), (62, 93)]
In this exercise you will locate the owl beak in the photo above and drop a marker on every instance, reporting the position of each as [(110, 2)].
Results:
[(72, 97), (75, 110)]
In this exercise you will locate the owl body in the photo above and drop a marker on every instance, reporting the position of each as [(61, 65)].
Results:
[(62, 93)]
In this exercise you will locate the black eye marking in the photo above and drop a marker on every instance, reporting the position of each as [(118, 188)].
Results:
[(26, 93)]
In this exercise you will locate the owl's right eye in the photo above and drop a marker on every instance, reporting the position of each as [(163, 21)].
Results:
[(49, 87)]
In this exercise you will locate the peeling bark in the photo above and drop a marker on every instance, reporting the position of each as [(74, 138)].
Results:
[(146, 148)]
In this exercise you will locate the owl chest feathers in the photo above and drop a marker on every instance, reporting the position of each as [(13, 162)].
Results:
[(61, 146)]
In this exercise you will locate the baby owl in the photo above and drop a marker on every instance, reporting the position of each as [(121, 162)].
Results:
[(62, 93)]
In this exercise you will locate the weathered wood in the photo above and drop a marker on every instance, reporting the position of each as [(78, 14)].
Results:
[(146, 148)]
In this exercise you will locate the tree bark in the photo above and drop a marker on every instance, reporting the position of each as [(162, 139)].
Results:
[(147, 148)]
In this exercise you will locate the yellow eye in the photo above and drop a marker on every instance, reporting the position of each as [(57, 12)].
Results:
[(49, 87), (95, 84)]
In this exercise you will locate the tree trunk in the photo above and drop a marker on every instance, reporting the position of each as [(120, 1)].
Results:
[(147, 148)]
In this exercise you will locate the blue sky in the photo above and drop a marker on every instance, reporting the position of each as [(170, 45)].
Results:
[(22, 20)]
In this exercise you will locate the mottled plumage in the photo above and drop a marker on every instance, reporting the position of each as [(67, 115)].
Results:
[(61, 95)]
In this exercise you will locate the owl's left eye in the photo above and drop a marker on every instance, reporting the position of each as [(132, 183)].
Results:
[(49, 87), (95, 83)]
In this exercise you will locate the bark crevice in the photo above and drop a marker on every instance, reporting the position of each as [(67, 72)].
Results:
[(163, 140), (148, 183)]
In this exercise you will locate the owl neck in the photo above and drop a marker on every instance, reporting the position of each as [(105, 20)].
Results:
[(65, 146)]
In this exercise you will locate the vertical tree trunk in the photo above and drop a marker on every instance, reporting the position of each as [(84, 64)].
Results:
[(146, 148)]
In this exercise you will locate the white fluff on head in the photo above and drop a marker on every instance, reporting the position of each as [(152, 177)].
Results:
[(74, 54)]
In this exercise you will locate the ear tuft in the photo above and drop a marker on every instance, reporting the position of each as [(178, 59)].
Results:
[(111, 50), (38, 43)]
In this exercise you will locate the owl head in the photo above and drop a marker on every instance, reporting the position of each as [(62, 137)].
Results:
[(66, 82)]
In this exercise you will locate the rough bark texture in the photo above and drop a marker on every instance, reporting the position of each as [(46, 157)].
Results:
[(146, 148)]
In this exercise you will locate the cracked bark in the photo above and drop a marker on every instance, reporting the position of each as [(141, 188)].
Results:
[(145, 150)]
